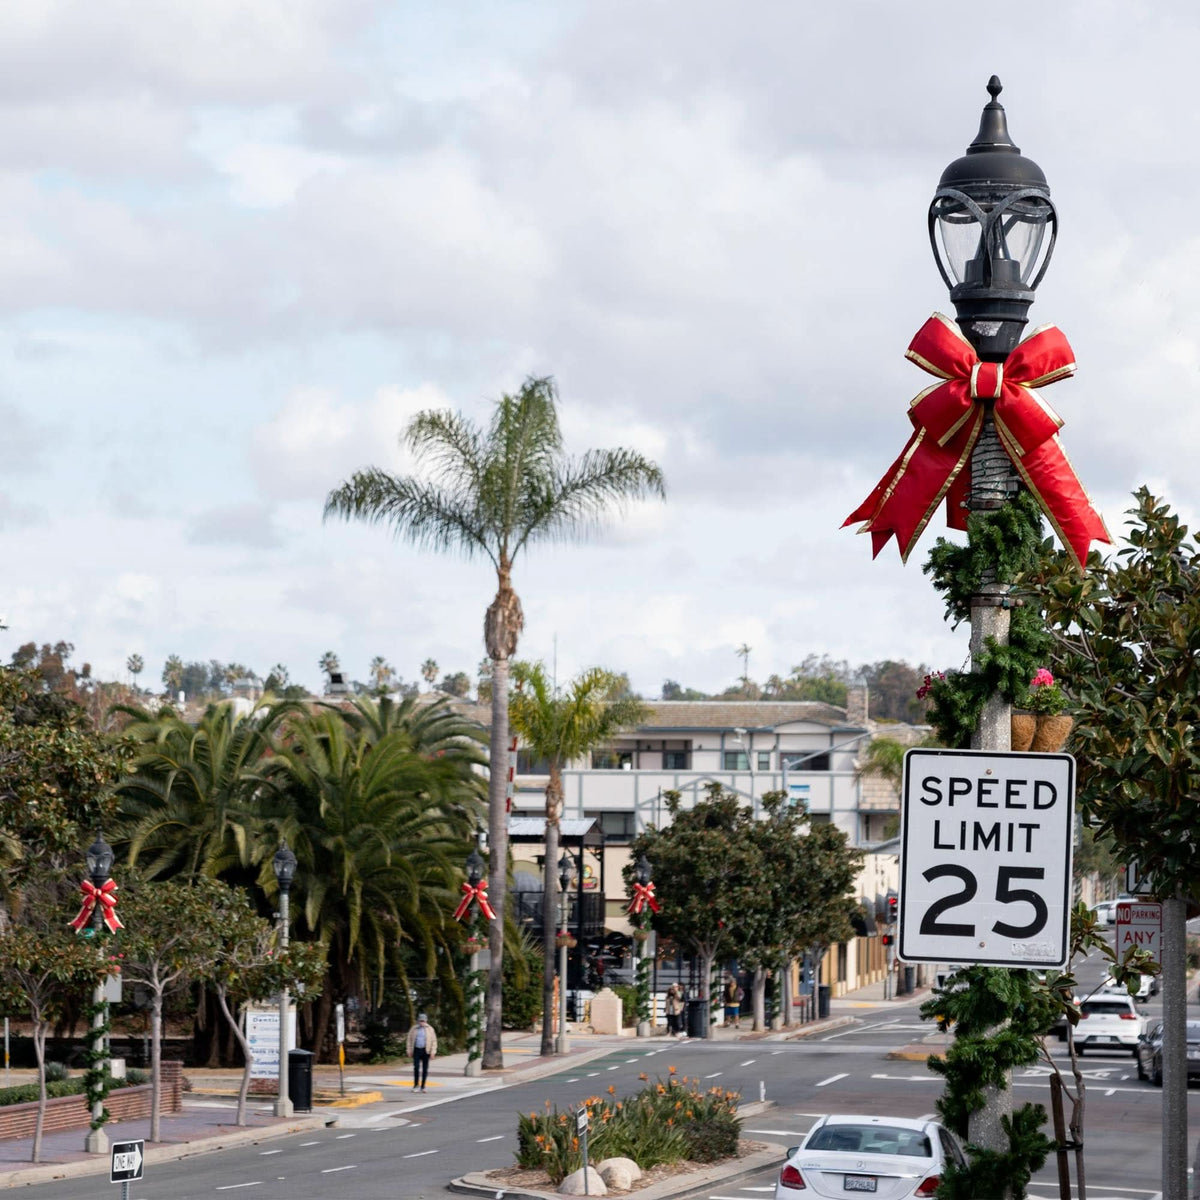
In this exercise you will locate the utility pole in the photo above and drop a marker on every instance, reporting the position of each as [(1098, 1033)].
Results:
[(1174, 1050)]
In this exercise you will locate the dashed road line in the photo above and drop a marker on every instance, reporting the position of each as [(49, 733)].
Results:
[(497, 1138), (831, 1079), (747, 1062), (420, 1154), (347, 1167), (342, 1136), (229, 1187), (713, 1075), (310, 1143), (264, 1153)]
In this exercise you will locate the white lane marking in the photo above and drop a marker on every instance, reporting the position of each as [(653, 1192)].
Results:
[(616, 1068), (831, 1079), (347, 1167), (264, 1153), (758, 1189), (310, 1143), (1111, 1092), (779, 1133), (629, 1060), (909, 1078), (229, 1187), (497, 1138), (420, 1154), (591, 1074), (575, 1080), (775, 1052), (713, 1075), (342, 1136), (747, 1062)]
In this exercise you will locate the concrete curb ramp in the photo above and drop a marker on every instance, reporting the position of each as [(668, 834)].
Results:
[(45, 1172)]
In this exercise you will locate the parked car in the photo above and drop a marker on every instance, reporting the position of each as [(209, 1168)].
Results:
[(892, 1158), (1106, 912), (1149, 1053), (1148, 987), (1108, 1022)]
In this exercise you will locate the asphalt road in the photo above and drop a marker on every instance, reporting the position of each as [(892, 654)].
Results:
[(407, 1151)]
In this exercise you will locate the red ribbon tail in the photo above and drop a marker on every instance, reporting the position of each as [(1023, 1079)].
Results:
[(113, 922), (463, 905), (81, 918), (653, 904), (1051, 478), (485, 908)]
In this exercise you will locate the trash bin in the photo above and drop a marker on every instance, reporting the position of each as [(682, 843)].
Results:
[(697, 1018), (823, 991), (910, 980), (300, 1080)]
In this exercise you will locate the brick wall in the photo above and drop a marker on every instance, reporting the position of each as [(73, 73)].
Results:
[(71, 1112)]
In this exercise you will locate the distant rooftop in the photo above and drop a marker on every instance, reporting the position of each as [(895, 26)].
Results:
[(740, 714)]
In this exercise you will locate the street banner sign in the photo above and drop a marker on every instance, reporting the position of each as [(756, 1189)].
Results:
[(1139, 923), (127, 1162), (985, 859)]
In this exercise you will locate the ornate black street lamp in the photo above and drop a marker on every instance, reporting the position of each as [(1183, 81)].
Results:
[(992, 226), (475, 868), (99, 856), (284, 866), (566, 873), (641, 873)]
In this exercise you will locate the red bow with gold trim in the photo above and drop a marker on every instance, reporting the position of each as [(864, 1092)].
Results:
[(643, 895), (106, 896), (947, 419), (478, 892)]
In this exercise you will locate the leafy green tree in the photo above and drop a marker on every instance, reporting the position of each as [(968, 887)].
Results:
[(244, 964), (57, 772), (380, 833), (458, 684), (172, 930), (135, 665), (1126, 638), (707, 868), (560, 729), (493, 493), (429, 671), (673, 690), (329, 663), (44, 966), (172, 675), (433, 730)]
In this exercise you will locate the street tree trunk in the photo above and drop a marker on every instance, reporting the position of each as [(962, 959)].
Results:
[(223, 1000), (40, 1028), (156, 1008), (758, 992), (550, 906), (706, 966)]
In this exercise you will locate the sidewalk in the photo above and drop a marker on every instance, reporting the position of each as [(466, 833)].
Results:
[(206, 1122)]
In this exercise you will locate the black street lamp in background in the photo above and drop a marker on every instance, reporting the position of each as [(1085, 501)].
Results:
[(992, 226), (566, 873), (99, 856), (284, 865)]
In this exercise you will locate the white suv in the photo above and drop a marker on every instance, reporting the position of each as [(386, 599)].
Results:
[(1108, 1022)]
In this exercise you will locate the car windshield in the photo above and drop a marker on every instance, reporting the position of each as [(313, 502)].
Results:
[(1093, 1008), (870, 1139)]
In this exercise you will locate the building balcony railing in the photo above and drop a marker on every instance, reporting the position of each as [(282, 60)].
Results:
[(527, 911)]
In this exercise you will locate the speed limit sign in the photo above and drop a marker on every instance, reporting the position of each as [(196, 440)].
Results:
[(985, 862)]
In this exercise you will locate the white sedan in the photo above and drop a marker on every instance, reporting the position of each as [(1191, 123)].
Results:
[(891, 1158)]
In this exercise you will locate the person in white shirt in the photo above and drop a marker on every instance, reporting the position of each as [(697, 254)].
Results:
[(421, 1047)]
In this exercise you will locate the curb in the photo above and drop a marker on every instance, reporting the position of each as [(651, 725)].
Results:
[(824, 1027), (475, 1183), (349, 1100), (45, 1172)]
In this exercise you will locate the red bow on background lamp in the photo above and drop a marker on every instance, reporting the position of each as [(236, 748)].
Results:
[(643, 895), (106, 896), (947, 419), (479, 893)]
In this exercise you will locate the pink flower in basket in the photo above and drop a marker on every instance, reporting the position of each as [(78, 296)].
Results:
[(1044, 695)]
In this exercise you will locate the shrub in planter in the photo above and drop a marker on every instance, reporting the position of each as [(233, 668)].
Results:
[(628, 995)]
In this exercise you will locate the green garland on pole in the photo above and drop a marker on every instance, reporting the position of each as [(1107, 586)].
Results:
[(998, 1015), (642, 978), (473, 990), (97, 1079)]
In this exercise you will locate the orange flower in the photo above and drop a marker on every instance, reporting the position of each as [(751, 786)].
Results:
[(670, 1120), (643, 1076), (612, 1091), (671, 1070)]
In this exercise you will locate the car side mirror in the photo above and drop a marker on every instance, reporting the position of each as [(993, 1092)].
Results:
[(792, 1150)]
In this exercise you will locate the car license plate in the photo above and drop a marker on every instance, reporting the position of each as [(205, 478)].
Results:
[(859, 1183)]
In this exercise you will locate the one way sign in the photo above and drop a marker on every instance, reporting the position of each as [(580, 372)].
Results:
[(127, 1162)]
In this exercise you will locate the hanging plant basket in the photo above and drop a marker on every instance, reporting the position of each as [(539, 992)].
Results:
[(1052, 732), (1024, 728), (641, 935), (473, 945), (566, 939)]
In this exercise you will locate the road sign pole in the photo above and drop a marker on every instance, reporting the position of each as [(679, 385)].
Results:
[(1174, 1050)]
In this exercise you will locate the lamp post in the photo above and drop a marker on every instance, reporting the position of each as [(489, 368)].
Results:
[(474, 990), (642, 874), (99, 857), (992, 227), (284, 865), (566, 872)]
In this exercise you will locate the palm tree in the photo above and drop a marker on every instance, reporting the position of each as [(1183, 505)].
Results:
[(496, 491), (379, 832), (381, 672), (172, 675), (187, 809), (135, 664), (329, 663), (429, 672), (743, 652), (559, 729)]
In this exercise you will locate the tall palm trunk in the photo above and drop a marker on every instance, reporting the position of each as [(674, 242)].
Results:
[(550, 905), (156, 1009), (501, 627)]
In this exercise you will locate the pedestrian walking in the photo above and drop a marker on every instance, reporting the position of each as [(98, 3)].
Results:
[(733, 1002), (421, 1047), (675, 1008)]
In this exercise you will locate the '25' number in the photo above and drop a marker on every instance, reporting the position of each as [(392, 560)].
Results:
[(932, 923)]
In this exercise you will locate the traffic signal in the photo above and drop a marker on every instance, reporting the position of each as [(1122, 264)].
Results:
[(888, 939), (893, 906)]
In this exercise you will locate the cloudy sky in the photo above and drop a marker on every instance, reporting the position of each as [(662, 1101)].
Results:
[(243, 241)]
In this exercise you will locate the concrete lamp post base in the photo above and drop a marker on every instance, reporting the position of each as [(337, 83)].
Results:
[(96, 1142)]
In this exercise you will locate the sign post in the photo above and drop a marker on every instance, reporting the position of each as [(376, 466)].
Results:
[(985, 862), (581, 1128), (341, 1041), (127, 1164)]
